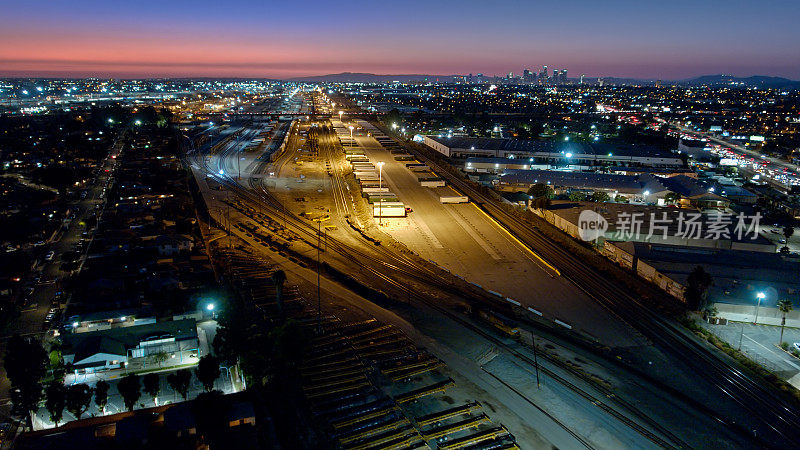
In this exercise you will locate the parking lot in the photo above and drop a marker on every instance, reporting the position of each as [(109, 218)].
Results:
[(760, 343)]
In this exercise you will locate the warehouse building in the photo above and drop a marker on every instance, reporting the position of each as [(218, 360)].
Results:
[(566, 155)]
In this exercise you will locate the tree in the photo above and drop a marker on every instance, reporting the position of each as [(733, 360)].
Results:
[(577, 196), (211, 414), (788, 231), (130, 390), (784, 306), (697, 285), (672, 197), (278, 279), (26, 364), (179, 381), (78, 397), (208, 371), (101, 395), (158, 358), (600, 196), (541, 203), (55, 401), (540, 190), (289, 343), (152, 385)]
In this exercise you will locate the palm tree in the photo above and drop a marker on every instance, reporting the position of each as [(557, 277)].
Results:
[(788, 231), (785, 305), (278, 278)]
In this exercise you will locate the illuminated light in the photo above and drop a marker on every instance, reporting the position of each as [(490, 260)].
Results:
[(210, 307), (568, 155)]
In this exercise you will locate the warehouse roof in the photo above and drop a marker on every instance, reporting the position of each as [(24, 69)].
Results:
[(575, 148), (585, 180)]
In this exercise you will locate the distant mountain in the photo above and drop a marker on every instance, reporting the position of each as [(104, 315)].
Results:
[(359, 77), (759, 81)]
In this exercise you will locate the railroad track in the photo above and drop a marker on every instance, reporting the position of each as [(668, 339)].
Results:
[(402, 265), (773, 411)]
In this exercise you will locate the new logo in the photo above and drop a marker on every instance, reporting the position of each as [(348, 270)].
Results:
[(591, 225)]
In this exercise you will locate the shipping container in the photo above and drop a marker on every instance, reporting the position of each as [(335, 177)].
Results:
[(454, 199), (388, 209)]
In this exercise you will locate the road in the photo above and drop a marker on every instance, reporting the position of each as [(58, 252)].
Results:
[(31, 320), (782, 172)]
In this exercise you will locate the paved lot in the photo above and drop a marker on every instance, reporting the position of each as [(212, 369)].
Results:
[(462, 239), (116, 405), (760, 343)]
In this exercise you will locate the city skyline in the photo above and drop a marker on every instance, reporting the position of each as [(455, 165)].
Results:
[(241, 39)]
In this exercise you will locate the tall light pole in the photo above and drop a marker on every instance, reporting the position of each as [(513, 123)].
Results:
[(340, 115), (380, 189), (351, 135), (760, 297), (319, 296)]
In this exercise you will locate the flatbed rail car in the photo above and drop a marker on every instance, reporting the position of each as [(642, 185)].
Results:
[(463, 410), (501, 322)]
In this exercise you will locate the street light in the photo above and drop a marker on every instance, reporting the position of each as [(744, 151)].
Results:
[(340, 115), (394, 126), (351, 135), (760, 297), (380, 186)]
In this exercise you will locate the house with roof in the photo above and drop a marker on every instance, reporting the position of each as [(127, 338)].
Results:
[(173, 244)]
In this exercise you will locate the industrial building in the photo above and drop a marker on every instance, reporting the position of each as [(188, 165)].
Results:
[(563, 154), (115, 348), (643, 188)]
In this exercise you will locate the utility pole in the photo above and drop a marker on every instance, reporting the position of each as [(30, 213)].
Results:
[(380, 189), (319, 296), (535, 359)]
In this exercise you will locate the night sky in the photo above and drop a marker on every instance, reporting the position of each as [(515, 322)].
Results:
[(644, 38)]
